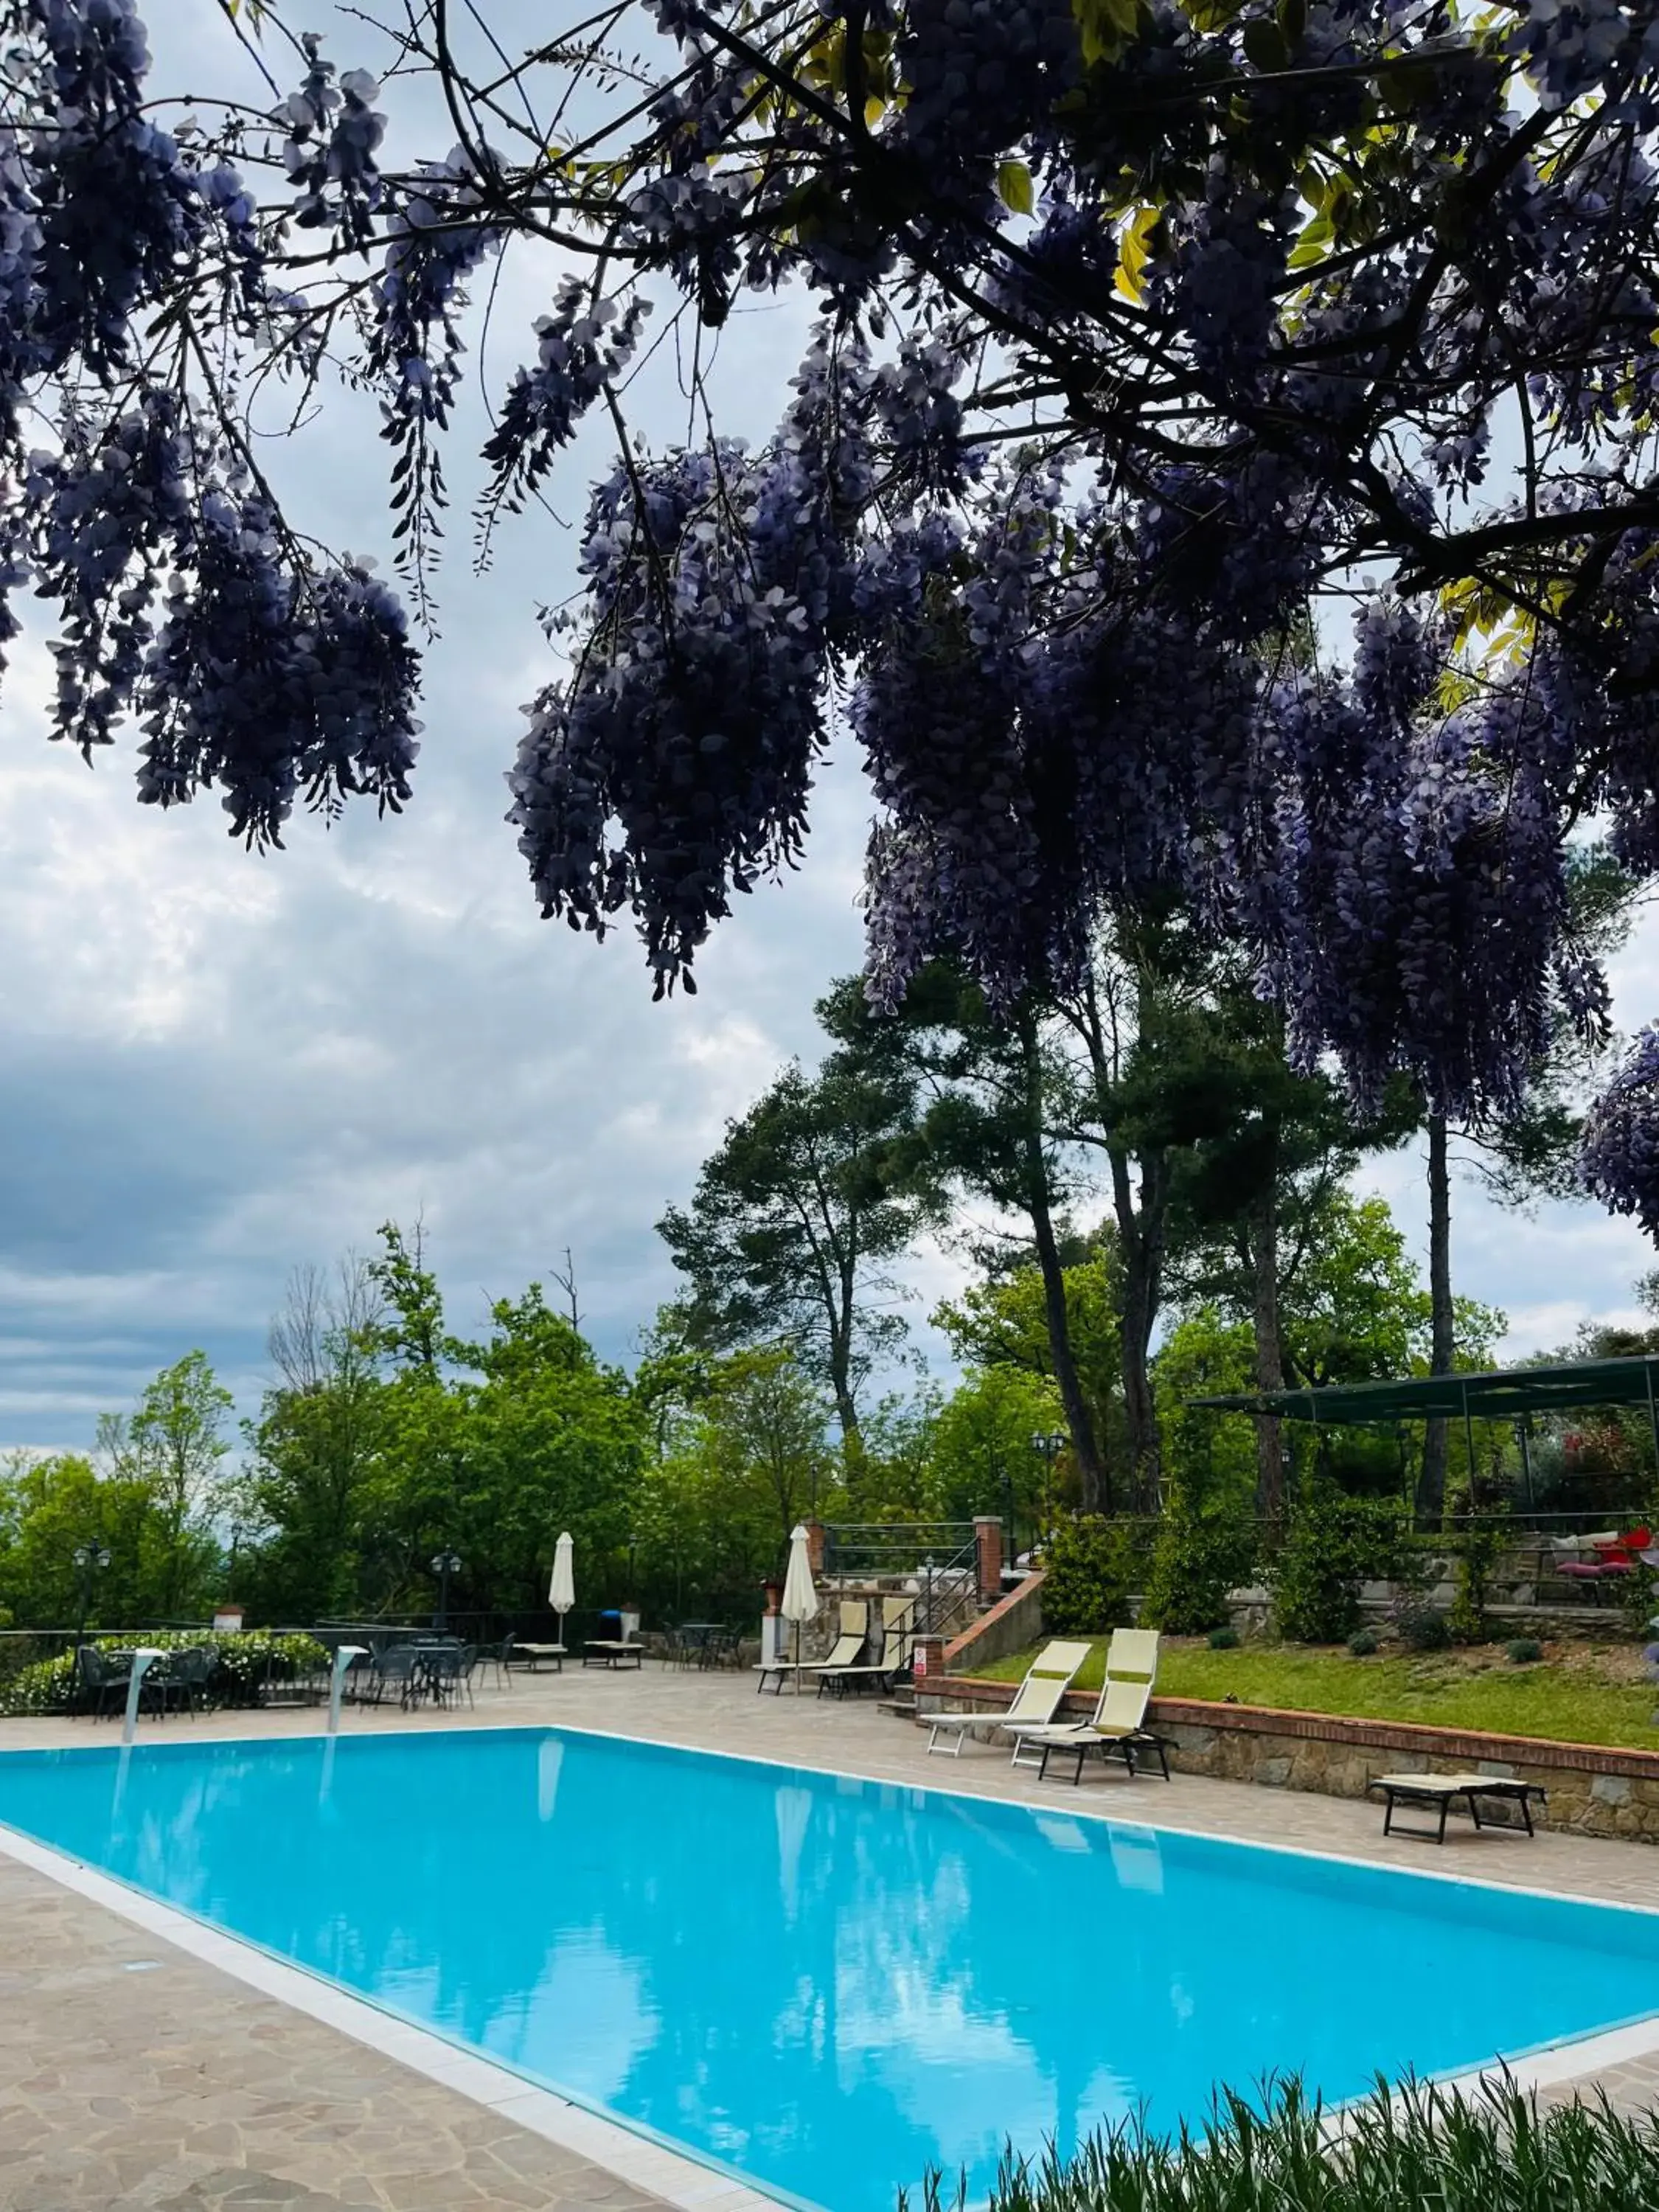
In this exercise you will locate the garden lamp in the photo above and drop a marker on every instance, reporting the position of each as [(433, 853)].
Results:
[(443, 1565), (1047, 1444), (90, 1559)]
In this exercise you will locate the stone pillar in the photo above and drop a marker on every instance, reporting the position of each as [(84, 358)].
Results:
[(929, 1662), (774, 1626), (988, 1539)]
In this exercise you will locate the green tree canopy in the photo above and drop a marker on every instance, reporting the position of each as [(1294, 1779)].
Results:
[(798, 1214), (983, 1460), (315, 1447), (49, 1506), (175, 1445)]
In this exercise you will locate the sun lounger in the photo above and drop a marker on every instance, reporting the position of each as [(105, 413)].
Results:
[(611, 1651), (897, 1643), (849, 1666), (1035, 1701), (1118, 1727), (847, 1650), (899, 1635), (1439, 1792)]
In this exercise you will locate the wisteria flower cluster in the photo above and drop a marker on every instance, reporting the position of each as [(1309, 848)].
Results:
[(692, 721), (334, 133), (1421, 907), (183, 600), (1619, 1159), (268, 687), (575, 362)]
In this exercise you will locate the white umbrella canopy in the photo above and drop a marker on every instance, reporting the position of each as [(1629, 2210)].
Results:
[(561, 1592), (801, 1599)]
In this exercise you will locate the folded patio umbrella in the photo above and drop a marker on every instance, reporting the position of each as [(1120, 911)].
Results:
[(561, 1591), (801, 1599)]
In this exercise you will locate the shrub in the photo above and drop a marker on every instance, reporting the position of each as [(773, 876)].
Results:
[(1198, 1557), (1422, 1627), (1364, 1642), (245, 1662), (1224, 1640), (1638, 1593), (1523, 1650), (1479, 1545), (1416, 2148), (1089, 1565), (1334, 1544)]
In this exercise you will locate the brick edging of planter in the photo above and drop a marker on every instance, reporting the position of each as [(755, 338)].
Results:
[(1420, 1736)]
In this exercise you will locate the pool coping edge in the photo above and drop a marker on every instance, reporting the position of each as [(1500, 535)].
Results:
[(674, 2176)]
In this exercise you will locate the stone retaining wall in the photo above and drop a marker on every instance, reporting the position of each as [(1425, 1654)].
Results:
[(1593, 1788), (1015, 1621)]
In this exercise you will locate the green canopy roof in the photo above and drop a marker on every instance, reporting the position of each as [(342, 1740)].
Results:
[(1481, 1397)]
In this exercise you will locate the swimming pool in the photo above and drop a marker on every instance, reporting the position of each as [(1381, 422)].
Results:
[(822, 1983)]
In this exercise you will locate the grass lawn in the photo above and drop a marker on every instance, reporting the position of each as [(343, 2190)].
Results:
[(1577, 1693)]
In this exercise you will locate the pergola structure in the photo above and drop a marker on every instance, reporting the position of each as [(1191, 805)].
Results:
[(1506, 1395)]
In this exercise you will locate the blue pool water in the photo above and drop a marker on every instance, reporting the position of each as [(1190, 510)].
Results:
[(824, 1984)]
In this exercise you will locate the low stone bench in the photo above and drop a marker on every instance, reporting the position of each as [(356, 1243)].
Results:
[(1441, 1791)]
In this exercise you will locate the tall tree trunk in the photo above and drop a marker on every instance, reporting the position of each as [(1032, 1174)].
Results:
[(1269, 1342), (846, 1414), (1442, 1332), (1092, 1478), (1140, 1243), (840, 1381)]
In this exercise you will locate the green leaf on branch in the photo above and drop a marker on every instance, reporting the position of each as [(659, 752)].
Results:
[(1014, 187), (1107, 27), (1133, 251), (1265, 47)]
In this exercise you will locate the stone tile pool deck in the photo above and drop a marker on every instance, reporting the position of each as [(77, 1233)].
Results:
[(135, 2074)]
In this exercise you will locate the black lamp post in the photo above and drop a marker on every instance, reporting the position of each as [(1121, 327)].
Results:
[(89, 1561), (444, 1564), (1047, 1444), (1010, 1539)]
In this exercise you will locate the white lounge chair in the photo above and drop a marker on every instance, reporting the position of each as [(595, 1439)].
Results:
[(875, 1672), (1035, 1701), (1117, 1727), (847, 1650)]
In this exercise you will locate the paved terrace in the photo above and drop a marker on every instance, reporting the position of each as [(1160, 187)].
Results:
[(136, 2075)]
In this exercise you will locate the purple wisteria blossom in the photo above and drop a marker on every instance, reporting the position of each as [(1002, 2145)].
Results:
[(1220, 472)]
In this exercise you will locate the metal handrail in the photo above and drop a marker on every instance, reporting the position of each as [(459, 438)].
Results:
[(896, 1547)]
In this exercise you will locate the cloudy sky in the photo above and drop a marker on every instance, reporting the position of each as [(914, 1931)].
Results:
[(218, 1066)]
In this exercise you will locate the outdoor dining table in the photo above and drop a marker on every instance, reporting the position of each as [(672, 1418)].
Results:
[(429, 1678), (700, 1643)]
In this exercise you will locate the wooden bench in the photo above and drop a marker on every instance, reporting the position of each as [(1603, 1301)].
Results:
[(1443, 1790)]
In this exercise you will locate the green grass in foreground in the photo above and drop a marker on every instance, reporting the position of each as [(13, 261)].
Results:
[(1419, 2149), (1572, 1695)]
